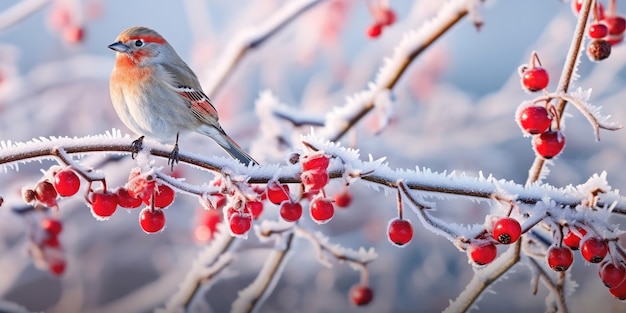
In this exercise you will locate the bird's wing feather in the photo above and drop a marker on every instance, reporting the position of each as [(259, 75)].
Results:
[(199, 104)]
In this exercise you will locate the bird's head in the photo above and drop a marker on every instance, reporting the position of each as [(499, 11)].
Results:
[(140, 45)]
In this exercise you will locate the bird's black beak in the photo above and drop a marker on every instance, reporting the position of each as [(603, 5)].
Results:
[(118, 46)]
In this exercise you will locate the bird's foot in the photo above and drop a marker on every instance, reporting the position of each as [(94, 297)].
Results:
[(135, 147), (173, 157)]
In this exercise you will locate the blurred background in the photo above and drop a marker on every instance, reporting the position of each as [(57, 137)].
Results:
[(454, 110)]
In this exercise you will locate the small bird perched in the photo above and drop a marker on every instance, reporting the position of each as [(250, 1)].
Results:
[(156, 94)]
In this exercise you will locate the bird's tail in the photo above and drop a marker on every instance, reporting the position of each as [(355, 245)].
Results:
[(227, 143)]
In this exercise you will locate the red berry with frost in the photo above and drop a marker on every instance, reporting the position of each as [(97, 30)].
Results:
[(125, 200), (318, 161), (560, 258), (52, 226), (219, 200), (361, 295), (374, 30), (141, 187), (164, 196), (290, 211), (616, 24), (400, 232), (549, 144), (534, 119), (572, 240), (482, 254), (322, 210), (535, 78), (151, 220), (66, 183), (255, 208), (619, 292), (277, 193), (314, 180), (343, 198), (507, 230), (612, 275), (240, 223), (594, 249), (103, 204), (45, 193)]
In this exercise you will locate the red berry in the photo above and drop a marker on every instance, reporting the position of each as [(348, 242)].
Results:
[(619, 292), (387, 17), (151, 220), (578, 4), (374, 30), (164, 196), (290, 211), (125, 200), (73, 34), (66, 183), (361, 294), (240, 223), (534, 119), (103, 204), (56, 266), (535, 78), (343, 198), (255, 208), (560, 258), (314, 180), (206, 226), (277, 193), (45, 193), (140, 187), (51, 241), (572, 240), (400, 232), (612, 275), (317, 161), (594, 249), (52, 226), (507, 230), (598, 30), (322, 210), (482, 254), (549, 144), (616, 24)]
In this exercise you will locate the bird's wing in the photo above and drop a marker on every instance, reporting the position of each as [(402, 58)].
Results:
[(199, 104)]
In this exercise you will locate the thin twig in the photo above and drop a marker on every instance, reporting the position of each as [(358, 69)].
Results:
[(19, 12), (555, 287), (566, 77)]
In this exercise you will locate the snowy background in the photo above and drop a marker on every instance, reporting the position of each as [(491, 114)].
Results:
[(454, 111)]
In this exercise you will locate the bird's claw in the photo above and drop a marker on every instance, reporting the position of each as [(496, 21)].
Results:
[(173, 157), (136, 146)]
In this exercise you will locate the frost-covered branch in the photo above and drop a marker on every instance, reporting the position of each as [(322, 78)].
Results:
[(252, 38), (414, 42), (569, 70), (557, 288), (20, 11)]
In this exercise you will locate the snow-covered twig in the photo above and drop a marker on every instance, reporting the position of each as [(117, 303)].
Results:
[(339, 121), (568, 73), (20, 11), (253, 37)]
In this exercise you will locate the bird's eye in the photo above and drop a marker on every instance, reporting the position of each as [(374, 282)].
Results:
[(138, 43)]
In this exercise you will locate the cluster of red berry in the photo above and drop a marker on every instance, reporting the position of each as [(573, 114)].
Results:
[(483, 250), (383, 16), (62, 20), (535, 119), (47, 248), (593, 249), (606, 30)]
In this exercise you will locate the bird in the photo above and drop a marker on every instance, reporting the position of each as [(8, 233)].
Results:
[(157, 95)]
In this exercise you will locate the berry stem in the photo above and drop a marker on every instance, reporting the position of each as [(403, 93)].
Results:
[(566, 77), (554, 287), (399, 197)]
